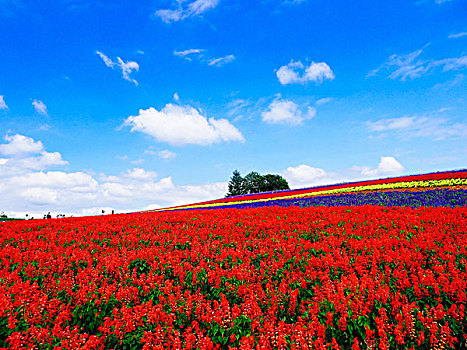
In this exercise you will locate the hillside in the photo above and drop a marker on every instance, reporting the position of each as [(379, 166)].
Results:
[(313, 277), (440, 189)]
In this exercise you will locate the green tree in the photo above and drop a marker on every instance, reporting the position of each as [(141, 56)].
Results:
[(275, 183), (236, 185), (255, 183)]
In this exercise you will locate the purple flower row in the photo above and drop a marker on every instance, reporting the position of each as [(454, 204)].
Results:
[(429, 198)]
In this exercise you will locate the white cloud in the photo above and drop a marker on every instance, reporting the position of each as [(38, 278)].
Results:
[(77, 182), (457, 35), (219, 62), (179, 125), (406, 66), (411, 66), (430, 125), (200, 56), (168, 16), (307, 176), (192, 9), (126, 67), (288, 74), (286, 112), (318, 72), (455, 63), (20, 145), (39, 162), (386, 167), (323, 101), (199, 6), (25, 154), (140, 174), (3, 105), (40, 107), (187, 53), (176, 97), (108, 62), (29, 185), (297, 73), (166, 154)]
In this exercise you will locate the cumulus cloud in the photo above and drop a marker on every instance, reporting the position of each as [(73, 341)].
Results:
[(288, 74), (166, 154), (282, 111), (386, 167), (26, 154), (41, 161), (411, 66), (56, 180), (30, 184), (20, 145), (81, 194), (40, 107), (186, 10), (431, 125), (200, 56), (297, 73), (307, 176), (3, 105), (126, 67), (180, 125), (140, 174)]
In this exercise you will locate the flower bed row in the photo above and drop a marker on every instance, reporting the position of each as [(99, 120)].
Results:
[(454, 182), (361, 277), (430, 198)]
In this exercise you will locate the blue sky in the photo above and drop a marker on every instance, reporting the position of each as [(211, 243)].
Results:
[(132, 105)]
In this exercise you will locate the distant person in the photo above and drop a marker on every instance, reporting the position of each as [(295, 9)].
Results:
[(49, 216)]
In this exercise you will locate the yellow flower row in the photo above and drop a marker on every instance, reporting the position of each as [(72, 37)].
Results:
[(378, 187)]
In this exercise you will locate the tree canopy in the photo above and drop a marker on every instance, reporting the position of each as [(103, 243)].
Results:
[(255, 183)]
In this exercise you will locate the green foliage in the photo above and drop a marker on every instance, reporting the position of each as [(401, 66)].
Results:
[(255, 183), (236, 184)]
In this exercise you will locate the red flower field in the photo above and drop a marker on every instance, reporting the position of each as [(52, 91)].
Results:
[(364, 277)]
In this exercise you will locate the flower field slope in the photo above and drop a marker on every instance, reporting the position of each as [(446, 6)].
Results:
[(442, 189), (347, 277)]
